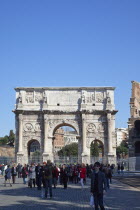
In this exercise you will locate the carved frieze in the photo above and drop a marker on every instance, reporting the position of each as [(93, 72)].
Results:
[(56, 122), (38, 96), (29, 97), (90, 98), (99, 97)]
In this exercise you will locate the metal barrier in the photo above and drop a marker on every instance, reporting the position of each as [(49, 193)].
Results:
[(7, 160)]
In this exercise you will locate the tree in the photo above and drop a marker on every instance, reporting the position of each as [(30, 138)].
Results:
[(4, 140), (69, 150), (11, 137), (122, 150), (94, 149), (8, 139)]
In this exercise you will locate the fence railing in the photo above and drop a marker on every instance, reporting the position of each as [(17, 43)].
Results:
[(130, 164)]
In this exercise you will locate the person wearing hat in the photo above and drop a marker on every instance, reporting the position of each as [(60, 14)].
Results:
[(98, 186)]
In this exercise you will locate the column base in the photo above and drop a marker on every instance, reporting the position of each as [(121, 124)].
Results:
[(85, 158), (111, 159), (20, 158), (47, 156)]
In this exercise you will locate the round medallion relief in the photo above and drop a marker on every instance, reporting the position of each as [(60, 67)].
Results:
[(28, 127), (91, 128), (37, 127)]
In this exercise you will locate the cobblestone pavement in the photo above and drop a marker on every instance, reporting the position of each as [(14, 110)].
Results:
[(19, 196), (133, 181), (120, 197)]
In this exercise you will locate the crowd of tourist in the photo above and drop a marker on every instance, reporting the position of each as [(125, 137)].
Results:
[(46, 176)]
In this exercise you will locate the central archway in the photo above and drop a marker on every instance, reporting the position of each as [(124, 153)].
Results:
[(65, 144)]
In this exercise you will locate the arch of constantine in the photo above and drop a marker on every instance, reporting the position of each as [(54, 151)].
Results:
[(40, 112)]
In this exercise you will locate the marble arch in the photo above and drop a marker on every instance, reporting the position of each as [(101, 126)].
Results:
[(40, 111)]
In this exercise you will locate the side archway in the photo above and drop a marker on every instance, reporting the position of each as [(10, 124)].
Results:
[(137, 148), (96, 151), (34, 151)]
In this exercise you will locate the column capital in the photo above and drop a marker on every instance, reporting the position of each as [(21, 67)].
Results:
[(83, 117), (46, 117), (20, 116), (109, 115)]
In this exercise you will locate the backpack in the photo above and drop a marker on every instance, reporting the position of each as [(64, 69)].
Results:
[(47, 172)]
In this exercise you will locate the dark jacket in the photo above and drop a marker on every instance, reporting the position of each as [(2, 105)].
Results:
[(102, 185)]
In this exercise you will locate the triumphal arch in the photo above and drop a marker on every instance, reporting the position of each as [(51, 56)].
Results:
[(40, 112)]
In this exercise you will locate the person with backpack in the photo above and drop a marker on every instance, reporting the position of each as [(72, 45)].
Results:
[(8, 176), (48, 178)]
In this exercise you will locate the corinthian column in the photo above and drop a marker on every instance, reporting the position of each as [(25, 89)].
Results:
[(109, 134), (45, 133), (84, 133), (20, 133)]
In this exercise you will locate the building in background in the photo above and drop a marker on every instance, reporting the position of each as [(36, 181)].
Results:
[(134, 121), (121, 135), (59, 140), (70, 137)]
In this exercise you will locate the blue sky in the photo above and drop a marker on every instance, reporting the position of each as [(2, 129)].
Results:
[(68, 43)]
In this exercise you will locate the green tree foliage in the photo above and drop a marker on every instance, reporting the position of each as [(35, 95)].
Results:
[(8, 139), (94, 149), (11, 137), (4, 140), (122, 150), (69, 150)]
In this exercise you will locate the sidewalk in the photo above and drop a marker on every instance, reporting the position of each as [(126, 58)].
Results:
[(122, 197)]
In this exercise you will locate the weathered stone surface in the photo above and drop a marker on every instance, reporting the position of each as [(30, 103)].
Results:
[(40, 111), (6, 151)]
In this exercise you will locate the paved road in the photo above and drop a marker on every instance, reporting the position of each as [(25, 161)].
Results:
[(21, 197), (120, 197), (132, 180)]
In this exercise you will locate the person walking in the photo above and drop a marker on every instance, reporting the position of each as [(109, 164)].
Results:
[(82, 174), (32, 175), (14, 173), (48, 178), (8, 176), (98, 186), (65, 176), (24, 173)]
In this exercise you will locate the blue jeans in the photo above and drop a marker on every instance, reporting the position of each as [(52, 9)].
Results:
[(98, 201), (24, 181), (48, 183)]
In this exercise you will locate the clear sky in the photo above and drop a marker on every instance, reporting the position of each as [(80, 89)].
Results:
[(68, 43)]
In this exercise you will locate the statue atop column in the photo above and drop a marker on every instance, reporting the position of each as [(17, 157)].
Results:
[(20, 98), (44, 98), (108, 99), (83, 98)]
